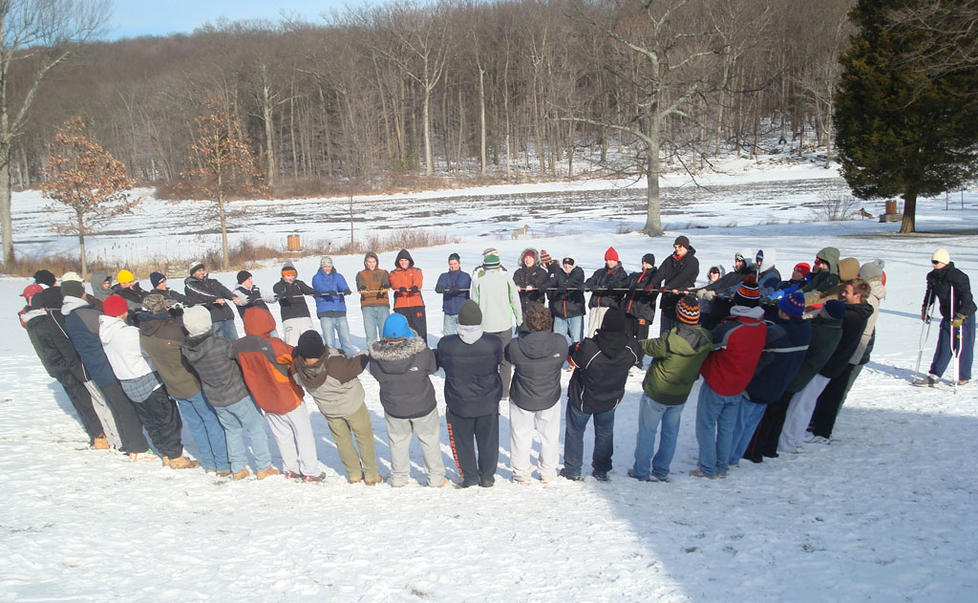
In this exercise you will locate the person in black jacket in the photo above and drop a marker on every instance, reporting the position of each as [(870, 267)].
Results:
[(944, 283), (566, 287), (202, 290), (473, 388), (158, 280), (607, 286), (537, 356), (678, 273), (291, 294), (530, 278), (716, 299), (639, 304), (596, 388)]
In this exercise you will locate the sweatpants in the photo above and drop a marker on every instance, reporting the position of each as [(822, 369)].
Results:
[(417, 320), (81, 400), (293, 328), (800, 413), (360, 460), (522, 425), (595, 316), (296, 444), (160, 417), (505, 366), (126, 420), (104, 413), (464, 434), (428, 430)]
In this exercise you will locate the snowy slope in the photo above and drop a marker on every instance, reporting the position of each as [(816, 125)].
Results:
[(885, 512)]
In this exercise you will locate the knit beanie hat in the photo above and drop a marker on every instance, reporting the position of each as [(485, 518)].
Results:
[(804, 268), (195, 266), (326, 262), (310, 345), (942, 256), (682, 241), (872, 270), (688, 310), (243, 275), (396, 327), (545, 257), (611, 254), (490, 258), (114, 305), (44, 277), (834, 308), (288, 269), (614, 321), (197, 320), (649, 258), (155, 303), (72, 289), (748, 294), (470, 314), (792, 304), (71, 275), (156, 278), (454, 256), (31, 290), (124, 276)]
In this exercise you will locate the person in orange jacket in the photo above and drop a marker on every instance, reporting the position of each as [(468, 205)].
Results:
[(406, 282)]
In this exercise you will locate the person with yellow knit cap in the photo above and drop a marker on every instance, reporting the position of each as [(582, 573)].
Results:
[(947, 285), (128, 289)]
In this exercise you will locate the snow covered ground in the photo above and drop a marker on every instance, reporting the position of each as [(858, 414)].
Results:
[(886, 512)]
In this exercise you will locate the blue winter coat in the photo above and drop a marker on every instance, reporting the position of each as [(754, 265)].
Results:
[(452, 302), (784, 351), (82, 328), (335, 282)]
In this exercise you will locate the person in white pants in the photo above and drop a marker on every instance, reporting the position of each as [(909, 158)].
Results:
[(537, 356)]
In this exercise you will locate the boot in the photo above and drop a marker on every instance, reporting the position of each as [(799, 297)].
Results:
[(180, 462), (224, 473), (355, 479), (373, 481), (271, 470), (241, 474), (100, 443)]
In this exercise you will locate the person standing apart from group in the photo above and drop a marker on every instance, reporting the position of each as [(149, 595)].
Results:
[(947, 284)]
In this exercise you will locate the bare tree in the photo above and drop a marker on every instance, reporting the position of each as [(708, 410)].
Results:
[(89, 180), (40, 31)]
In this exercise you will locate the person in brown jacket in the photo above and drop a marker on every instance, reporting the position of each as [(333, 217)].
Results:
[(373, 284)]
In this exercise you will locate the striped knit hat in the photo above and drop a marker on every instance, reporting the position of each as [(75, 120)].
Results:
[(688, 310), (748, 294), (793, 304), (490, 258)]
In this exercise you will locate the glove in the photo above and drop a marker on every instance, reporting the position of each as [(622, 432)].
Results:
[(923, 315), (453, 290), (361, 287), (779, 294), (562, 289), (439, 288), (402, 289), (414, 290), (331, 292), (958, 320), (706, 295), (269, 299), (347, 292)]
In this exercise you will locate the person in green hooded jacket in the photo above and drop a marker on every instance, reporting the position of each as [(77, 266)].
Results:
[(676, 359)]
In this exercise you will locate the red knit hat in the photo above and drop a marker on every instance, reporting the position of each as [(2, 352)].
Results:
[(115, 305), (803, 268), (688, 310), (611, 254)]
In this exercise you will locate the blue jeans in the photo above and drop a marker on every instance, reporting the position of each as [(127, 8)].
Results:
[(572, 328), (225, 328), (449, 325), (244, 417), (716, 417), (966, 350), (748, 416), (373, 321), (342, 328), (604, 443), (206, 431), (650, 413)]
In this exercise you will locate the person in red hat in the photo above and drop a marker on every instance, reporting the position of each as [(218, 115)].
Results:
[(607, 286)]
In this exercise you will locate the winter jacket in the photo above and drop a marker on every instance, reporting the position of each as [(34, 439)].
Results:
[(332, 382), (738, 341), (877, 293), (565, 290), (264, 362), (161, 336), (535, 276), (537, 358), (410, 280), (334, 286), (769, 278), (171, 295), (133, 295), (823, 280), (473, 386), (292, 298), (82, 326), (638, 302), (848, 270), (727, 285), (205, 292), (376, 281), (676, 360), (212, 359), (826, 333), (603, 283), (941, 284), (497, 298), (403, 369), (250, 298), (58, 356), (121, 344), (601, 369), (96, 281), (784, 351), (675, 273), (853, 325), (449, 285)]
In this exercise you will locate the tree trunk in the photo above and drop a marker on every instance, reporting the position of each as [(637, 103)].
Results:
[(429, 169), (482, 121), (653, 217), (81, 245), (6, 220), (224, 224), (909, 223), (266, 110)]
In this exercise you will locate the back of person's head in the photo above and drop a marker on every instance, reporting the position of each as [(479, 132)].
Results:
[(688, 310), (470, 314), (614, 321), (197, 320), (396, 327), (310, 345), (537, 317)]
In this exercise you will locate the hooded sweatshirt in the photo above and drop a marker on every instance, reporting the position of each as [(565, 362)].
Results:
[(403, 368), (738, 342), (332, 382), (265, 364), (676, 360), (769, 278), (160, 336), (375, 282), (401, 278), (824, 279), (535, 276), (212, 358), (601, 368), (537, 358), (498, 299), (473, 386), (96, 282)]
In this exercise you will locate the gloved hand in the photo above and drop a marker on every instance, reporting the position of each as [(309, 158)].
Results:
[(779, 294), (706, 294), (562, 289), (439, 288), (958, 320), (347, 292), (453, 290), (402, 289), (361, 287), (269, 299), (331, 292), (415, 290), (923, 315)]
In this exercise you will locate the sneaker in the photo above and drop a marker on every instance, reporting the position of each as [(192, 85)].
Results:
[(489, 482), (244, 473), (146, 456), (927, 381), (224, 473), (102, 442), (962, 382), (293, 475), (522, 480), (573, 478), (659, 478), (818, 440), (373, 481), (181, 462), (355, 479), (444, 482), (641, 478), (267, 472), (601, 476), (306, 478), (698, 473)]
